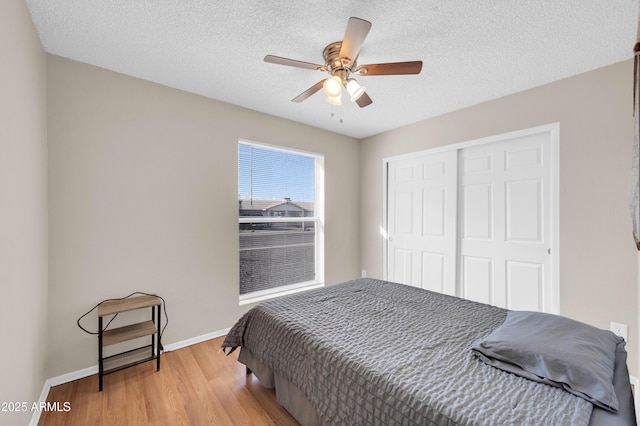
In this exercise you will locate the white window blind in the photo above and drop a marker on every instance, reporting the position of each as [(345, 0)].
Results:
[(278, 220)]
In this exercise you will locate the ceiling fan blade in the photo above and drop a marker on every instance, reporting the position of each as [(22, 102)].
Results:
[(357, 30), (310, 91), (391, 68), (364, 100), (292, 62)]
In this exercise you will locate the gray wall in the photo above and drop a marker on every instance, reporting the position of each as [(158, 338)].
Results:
[(598, 258), (143, 197), (23, 210)]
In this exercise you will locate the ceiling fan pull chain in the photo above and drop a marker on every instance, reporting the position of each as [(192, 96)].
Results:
[(333, 114)]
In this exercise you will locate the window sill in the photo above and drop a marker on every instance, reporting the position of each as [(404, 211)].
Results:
[(249, 299)]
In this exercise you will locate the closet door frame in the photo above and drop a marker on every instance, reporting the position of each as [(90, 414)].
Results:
[(552, 292)]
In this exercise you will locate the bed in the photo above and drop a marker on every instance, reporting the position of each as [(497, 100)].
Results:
[(378, 353)]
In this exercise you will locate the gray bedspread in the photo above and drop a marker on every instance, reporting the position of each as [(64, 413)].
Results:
[(371, 352)]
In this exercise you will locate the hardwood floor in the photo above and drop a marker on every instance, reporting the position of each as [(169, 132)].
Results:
[(196, 385)]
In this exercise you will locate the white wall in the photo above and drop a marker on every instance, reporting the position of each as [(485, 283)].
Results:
[(598, 261), (143, 197), (23, 211)]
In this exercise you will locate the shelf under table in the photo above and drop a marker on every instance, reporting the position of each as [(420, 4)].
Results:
[(128, 332), (127, 359)]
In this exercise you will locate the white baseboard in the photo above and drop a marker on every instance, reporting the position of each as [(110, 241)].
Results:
[(195, 340), (89, 371), (635, 384)]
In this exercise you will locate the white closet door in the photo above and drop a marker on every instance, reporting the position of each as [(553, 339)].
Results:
[(504, 227), (476, 221), (421, 221)]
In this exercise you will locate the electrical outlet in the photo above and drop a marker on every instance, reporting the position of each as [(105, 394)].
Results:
[(619, 329), (364, 273)]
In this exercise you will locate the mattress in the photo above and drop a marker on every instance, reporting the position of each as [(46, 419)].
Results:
[(373, 352)]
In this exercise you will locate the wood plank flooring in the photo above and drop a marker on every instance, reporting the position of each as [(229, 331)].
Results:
[(196, 385)]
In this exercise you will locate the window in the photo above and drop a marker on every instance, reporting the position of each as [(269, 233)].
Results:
[(280, 214)]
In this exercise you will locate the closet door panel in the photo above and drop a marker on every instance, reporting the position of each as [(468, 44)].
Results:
[(524, 285), (422, 221), (504, 206), (477, 279), (475, 221)]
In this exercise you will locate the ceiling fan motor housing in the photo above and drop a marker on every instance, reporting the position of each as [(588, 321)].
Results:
[(336, 65)]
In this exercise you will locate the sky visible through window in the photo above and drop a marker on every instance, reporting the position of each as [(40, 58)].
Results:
[(265, 174)]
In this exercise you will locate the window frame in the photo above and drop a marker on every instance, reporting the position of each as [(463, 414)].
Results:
[(317, 218)]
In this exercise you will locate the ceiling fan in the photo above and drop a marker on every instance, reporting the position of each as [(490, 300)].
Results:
[(340, 62)]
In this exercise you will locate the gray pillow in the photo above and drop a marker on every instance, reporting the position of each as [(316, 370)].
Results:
[(557, 351)]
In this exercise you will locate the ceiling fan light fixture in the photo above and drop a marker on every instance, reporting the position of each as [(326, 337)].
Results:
[(355, 89), (333, 86), (334, 100)]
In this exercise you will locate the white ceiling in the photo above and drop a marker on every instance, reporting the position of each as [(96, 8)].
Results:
[(473, 50)]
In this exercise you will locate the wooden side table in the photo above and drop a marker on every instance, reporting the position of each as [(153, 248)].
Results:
[(113, 363)]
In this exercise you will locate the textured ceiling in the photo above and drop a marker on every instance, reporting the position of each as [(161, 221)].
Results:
[(473, 50)]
